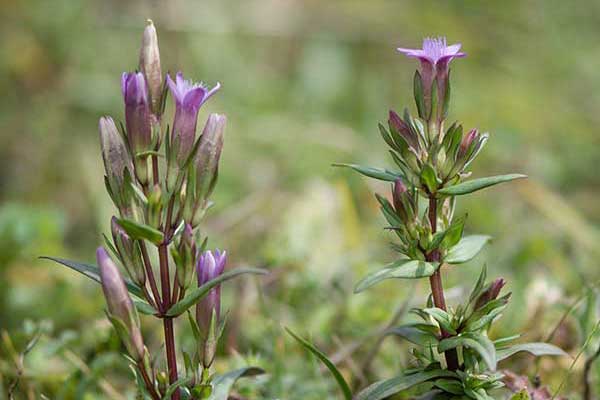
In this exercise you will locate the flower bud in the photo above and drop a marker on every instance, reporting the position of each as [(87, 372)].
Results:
[(129, 253), (490, 293), (403, 202), (210, 265), (184, 255), (206, 161), (120, 306), (467, 143), (150, 66), (139, 121), (117, 164), (399, 127)]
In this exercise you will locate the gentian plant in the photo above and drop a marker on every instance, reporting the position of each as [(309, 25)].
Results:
[(160, 206), (454, 357)]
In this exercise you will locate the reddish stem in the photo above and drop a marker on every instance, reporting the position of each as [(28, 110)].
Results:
[(435, 281)]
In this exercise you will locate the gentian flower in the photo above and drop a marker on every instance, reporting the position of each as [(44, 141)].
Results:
[(189, 97), (120, 305), (210, 265), (435, 56)]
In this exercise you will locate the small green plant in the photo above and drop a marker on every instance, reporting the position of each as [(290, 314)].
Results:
[(453, 355)]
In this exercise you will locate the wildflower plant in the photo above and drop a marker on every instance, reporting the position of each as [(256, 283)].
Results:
[(160, 178), (453, 355)]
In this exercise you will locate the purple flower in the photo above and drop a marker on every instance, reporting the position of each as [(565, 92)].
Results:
[(435, 51), (189, 97), (119, 304), (435, 57), (138, 117), (210, 266)]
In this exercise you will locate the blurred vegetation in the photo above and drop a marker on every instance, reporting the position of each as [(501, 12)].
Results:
[(304, 85)]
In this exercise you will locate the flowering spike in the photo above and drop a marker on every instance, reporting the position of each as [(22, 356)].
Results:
[(120, 305), (150, 66)]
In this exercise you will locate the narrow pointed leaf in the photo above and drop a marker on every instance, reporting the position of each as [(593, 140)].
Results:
[(413, 334), (92, 272), (198, 293), (466, 249), (222, 384), (386, 388), (144, 308), (371, 172), (537, 349), (477, 342), (323, 358), (141, 231), (401, 269), (478, 184)]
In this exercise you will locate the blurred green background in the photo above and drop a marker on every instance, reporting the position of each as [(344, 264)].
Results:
[(304, 85)]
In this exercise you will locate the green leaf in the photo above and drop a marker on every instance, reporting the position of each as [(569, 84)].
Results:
[(449, 386), (330, 365), (537, 349), (441, 317), (453, 234), (413, 334), (144, 307), (401, 269), (428, 178), (140, 231), (92, 272), (466, 249), (184, 381), (418, 93), (371, 172), (198, 293), (478, 184), (477, 342), (386, 388), (222, 383)]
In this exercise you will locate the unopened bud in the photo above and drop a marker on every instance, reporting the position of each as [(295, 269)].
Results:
[(399, 127), (129, 253), (150, 66), (204, 171), (139, 121), (117, 163), (490, 293), (467, 143), (210, 265), (155, 207), (184, 255), (403, 201), (120, 306)]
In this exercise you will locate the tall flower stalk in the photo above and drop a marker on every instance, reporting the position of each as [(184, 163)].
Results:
[(160, 212)]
